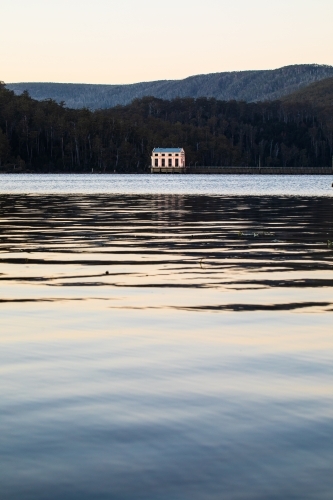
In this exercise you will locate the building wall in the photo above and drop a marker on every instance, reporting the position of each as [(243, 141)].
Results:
[(170, 159)]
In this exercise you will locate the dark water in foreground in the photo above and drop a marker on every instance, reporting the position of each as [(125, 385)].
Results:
[(166, 347)]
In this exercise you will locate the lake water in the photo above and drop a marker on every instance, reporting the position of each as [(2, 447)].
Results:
[(166, 337), (237, 185)]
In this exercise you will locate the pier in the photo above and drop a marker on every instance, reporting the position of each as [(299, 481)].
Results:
[(244, 170)]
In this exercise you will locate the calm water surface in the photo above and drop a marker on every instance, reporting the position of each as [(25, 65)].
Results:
[(284, 185), (163, 340)]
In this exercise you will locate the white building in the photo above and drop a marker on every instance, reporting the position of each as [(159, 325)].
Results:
[(167, 159)]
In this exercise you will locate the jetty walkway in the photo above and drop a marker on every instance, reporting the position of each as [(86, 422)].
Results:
[(245, 170)]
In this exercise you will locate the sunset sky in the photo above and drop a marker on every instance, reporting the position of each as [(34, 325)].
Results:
[(104, 41)]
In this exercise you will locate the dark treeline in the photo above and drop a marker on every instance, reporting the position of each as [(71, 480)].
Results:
[(44, 136)]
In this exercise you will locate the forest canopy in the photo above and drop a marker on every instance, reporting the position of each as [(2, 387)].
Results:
[(43, 136)]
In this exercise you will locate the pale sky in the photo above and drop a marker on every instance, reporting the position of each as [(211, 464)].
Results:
[(127, 41)]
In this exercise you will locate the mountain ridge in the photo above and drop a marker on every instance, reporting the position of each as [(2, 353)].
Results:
[(249, 86)]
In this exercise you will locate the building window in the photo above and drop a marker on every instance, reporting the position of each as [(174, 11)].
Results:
[(170, 162), (156, 154), (156, 162), (163, 154), (177, 162), (163, 162), (170, 154), (177, 154)]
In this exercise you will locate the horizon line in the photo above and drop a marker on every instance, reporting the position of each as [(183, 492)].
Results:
[(172, 79)]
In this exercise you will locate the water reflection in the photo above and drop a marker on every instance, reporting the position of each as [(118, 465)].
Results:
[(162, 347), (274, 252)]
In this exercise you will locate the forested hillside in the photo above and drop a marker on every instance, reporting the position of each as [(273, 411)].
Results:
[(249, 86), (46, 137), (320, 94)]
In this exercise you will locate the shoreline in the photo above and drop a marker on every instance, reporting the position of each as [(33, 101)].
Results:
[(241, 171)]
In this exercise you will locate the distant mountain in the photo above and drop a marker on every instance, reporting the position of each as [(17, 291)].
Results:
[(250, 86), (317, 93)]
